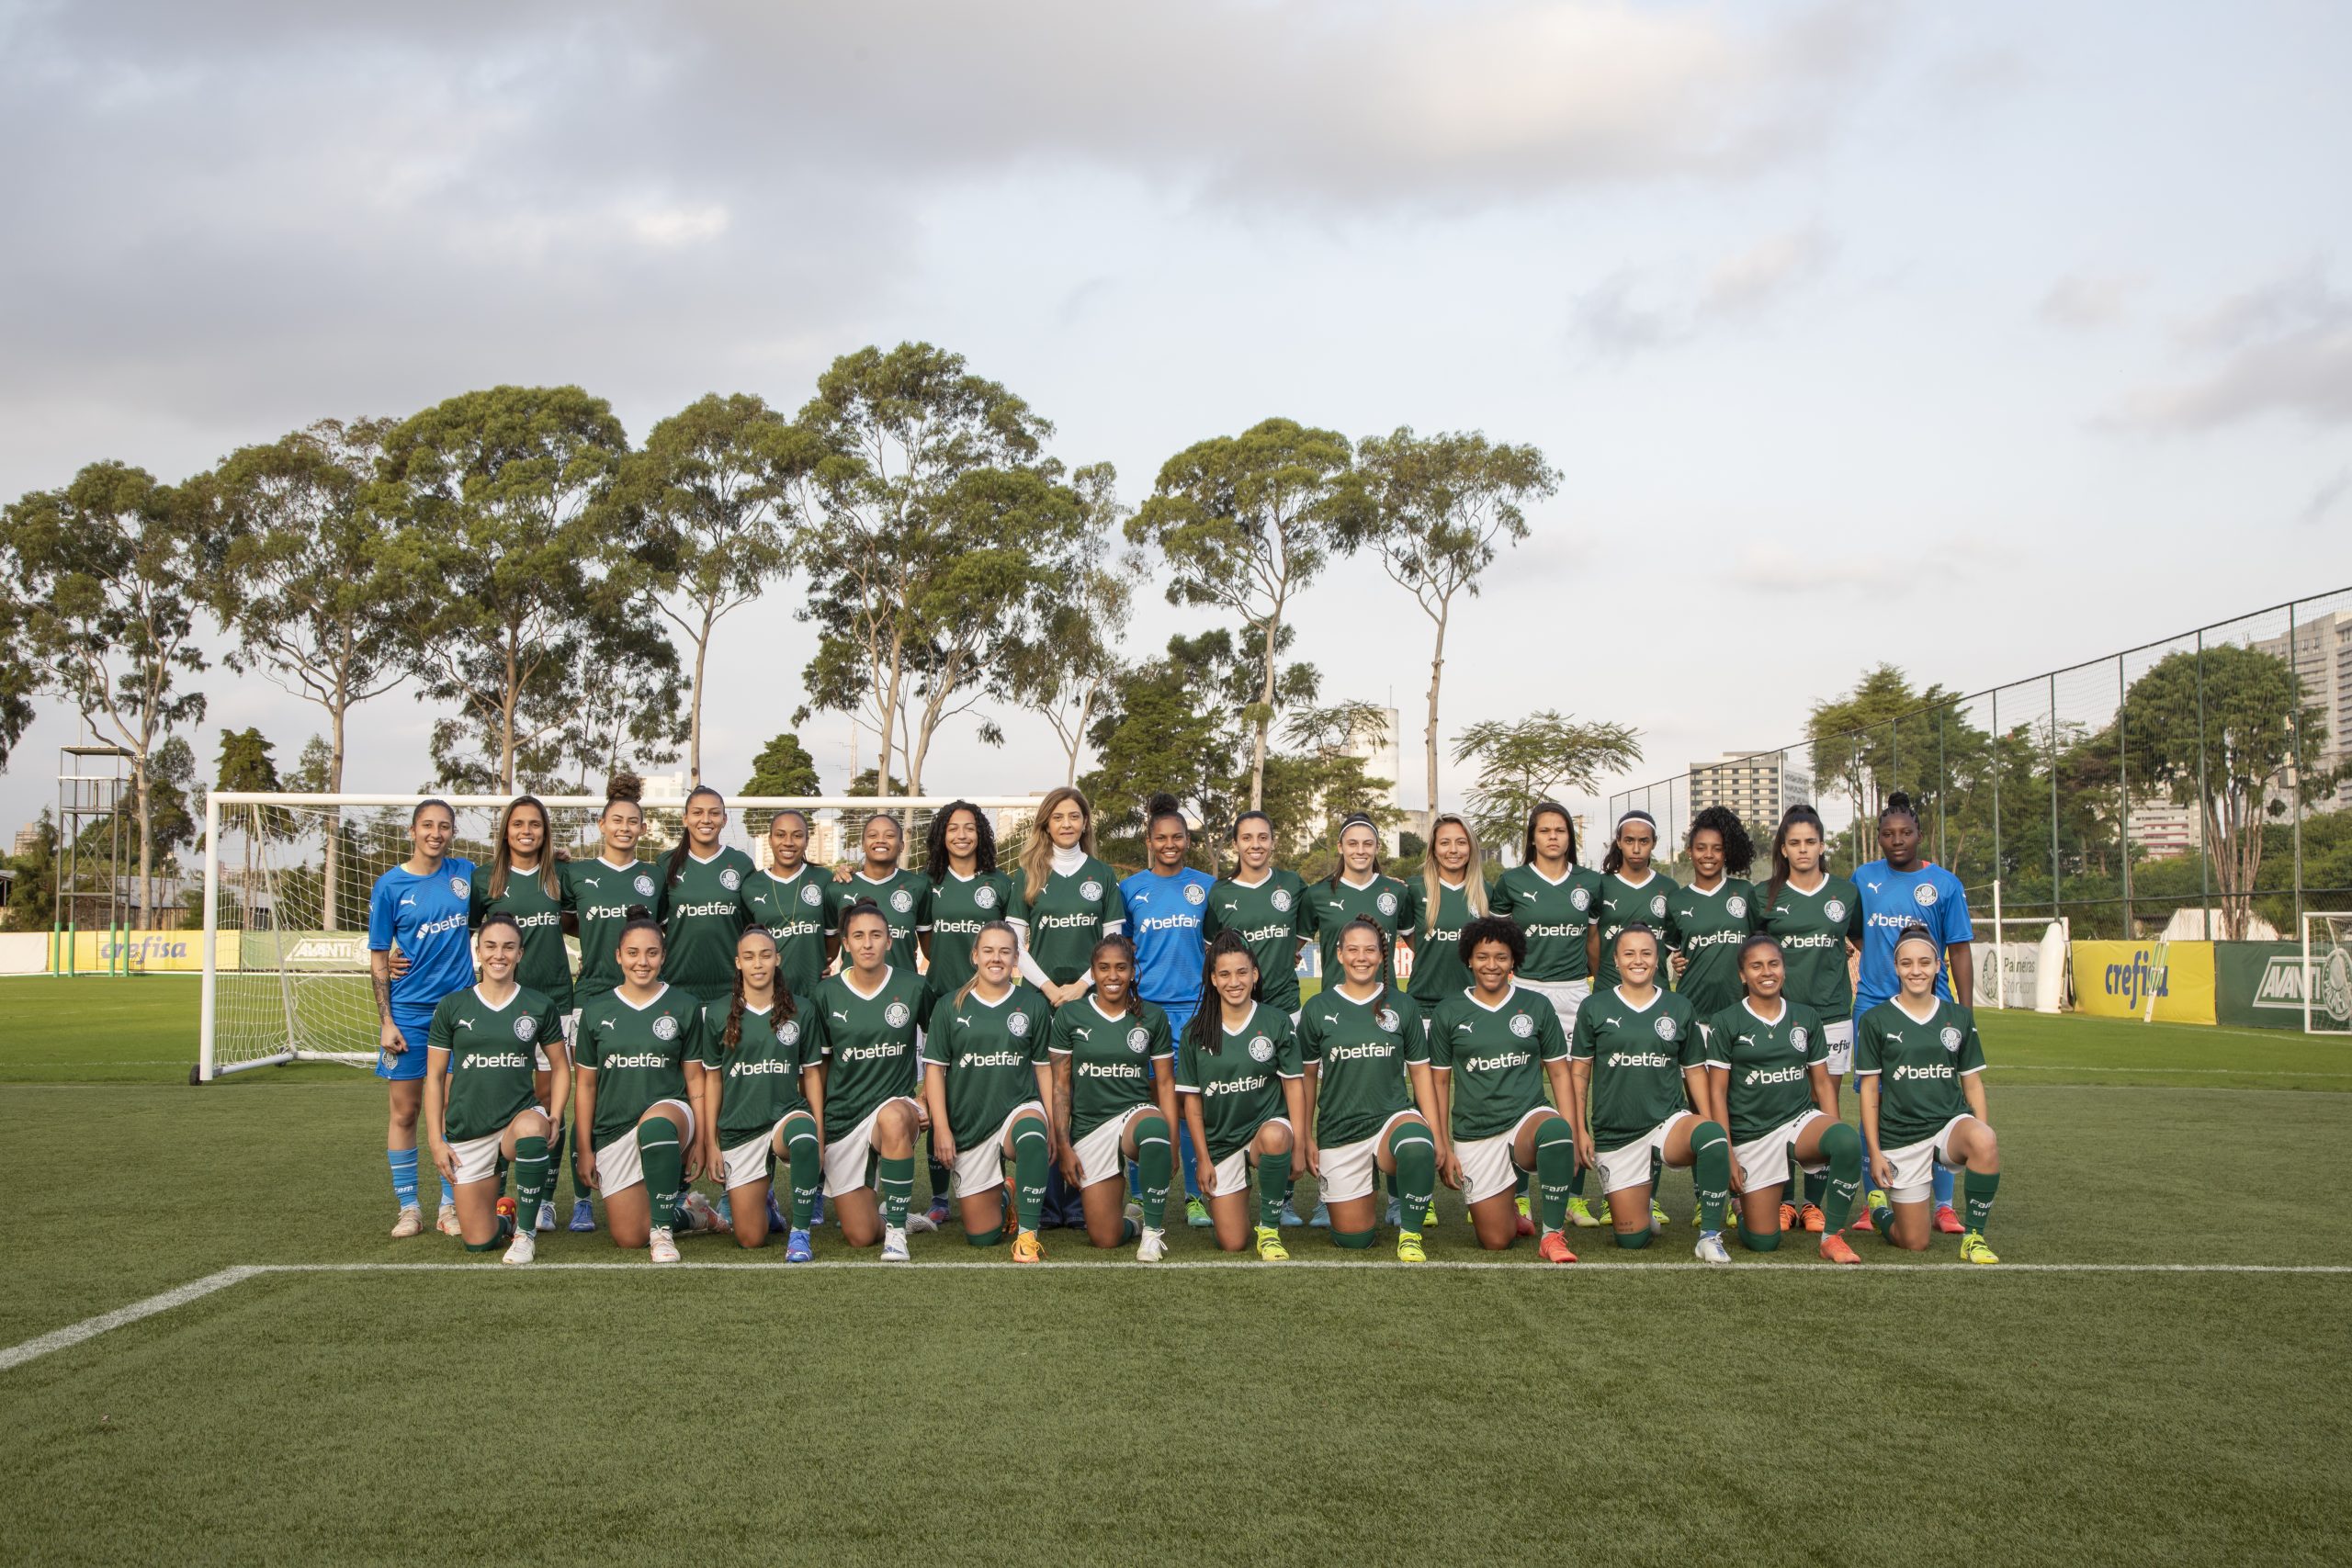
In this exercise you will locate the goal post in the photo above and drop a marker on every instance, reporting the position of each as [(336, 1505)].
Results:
[(2327, 972), (286, 880)]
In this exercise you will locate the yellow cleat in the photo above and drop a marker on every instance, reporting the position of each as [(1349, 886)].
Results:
[(1027, 1248), (1408, 1248), (1581, 1214), (1974, 1250), (1270, 1245)]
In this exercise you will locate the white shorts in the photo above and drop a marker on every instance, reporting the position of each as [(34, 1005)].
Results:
[(1764, 1162), (478, 1157), (981, 1166), (845, 1157), (1630, 1166), (1098, 1159), (748, 1161), (1231, 1174), (1348, 1169), (1565, 996), (1486, 1164), (616, 1163), (1839, 1037), (1915, 1164)]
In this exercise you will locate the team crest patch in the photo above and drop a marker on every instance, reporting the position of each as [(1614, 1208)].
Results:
[(1657, 907), (460, 886), (1835, 909), (1090, 890), (896, 1015), (1582, 897), (1736, 907), (1386, 903), (1261, 1049), (1018, 1024), (790, 1033), (1799, 1038), (1196, 894), (902, 899), (1951, 1038), (1388, 1021), (730, 879), (1664, 1027), (1280, 900), (525, 1027), (813, 893), (984, 896), (1924, 896), (665, 1028), (1139, 1040), (1522, 1026), (644, 885)]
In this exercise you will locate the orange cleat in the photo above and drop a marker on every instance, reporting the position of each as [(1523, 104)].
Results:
[(1811, 1218), (1862, 1223), (1834, 1250), (507, 1208), (1554, 1248), (1027, 1248), (1788, 1217), (1947, 1222)]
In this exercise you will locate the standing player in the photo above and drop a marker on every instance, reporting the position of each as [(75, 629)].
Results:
[(1357, 889), (902, 897), (1637, 1062), (1267, 906), (986, 1082), (1452, 894), (874, 1015), (1899, 891), (702, 897), (1167, 907), (526, 883), (1114, 1101), (1064, 902), (479, 1100), (1768, 1068), (641, 1076), (1239, 1077), (1818, 919), (788, 898), (1631, 892), (967, 891), (1500, 1066), (1706, 923), (1922, 1071), (764, 1066), (1551, 900), (421, 906), (601, 895), (1369, 1097)]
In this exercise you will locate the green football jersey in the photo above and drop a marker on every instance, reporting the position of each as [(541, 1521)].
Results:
[(793, 909), (599, 894), (871, 1044), (1769, 1062), (1069, 916), (703, 913), (492, 1052), (991, 1051), (1361, 1052), (904, 899), (1111, 1059), (1638, 1056), (1394, 905), (960, 906), (1271, 916), (1620, 903), (1554, 915), (759, 1080), (1438, 969), (1239, 1083), (638, 1053), (1918, 1066), (1496, 1057), (1707, 928), (1814, 928), (546, 961)]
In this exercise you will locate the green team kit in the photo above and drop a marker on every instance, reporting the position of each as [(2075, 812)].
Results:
[(1438, 969), (600, 894), (760, 1080), (1239, 1083), (492, 1053), (1769, 1063), (1814, 928), (1069, 916), (871, 1042), (960, 906), (1706, 927), (793, 910), (1392, 904), (904, 899), (1555, 916), (638, 1054), (1496, 1057), (1362, 1053), (990, 1053), (1620, 903), (703, 913), (546, 961), (1271, 918), (1110, 1058), (1919, 1067), (1638, 1056)]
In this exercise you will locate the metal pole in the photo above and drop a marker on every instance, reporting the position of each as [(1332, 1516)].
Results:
[(2053, 797), (1943, 788), (2295, 770), (1998, 870), (2000, 951), (2204, 848), (2123, 796), (208, 1006)]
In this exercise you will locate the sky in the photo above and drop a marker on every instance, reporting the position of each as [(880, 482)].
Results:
[(1977, 339)]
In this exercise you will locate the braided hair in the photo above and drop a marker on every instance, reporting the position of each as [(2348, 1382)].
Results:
[(780, 1010), (1207, 1024)]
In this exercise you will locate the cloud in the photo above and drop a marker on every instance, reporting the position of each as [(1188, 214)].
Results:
[(2282, 347), (1633, 311), (2081, 301), (1609, 320), (2323, 499), (1764, 272)]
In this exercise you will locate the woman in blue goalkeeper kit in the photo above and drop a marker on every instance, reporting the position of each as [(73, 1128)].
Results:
[(422, 906), (1901, 890), (1167, 903)]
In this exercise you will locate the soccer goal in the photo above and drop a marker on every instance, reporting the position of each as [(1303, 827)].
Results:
[(2327, 972), (287, 879)]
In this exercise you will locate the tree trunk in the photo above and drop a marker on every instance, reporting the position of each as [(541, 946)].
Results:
[(146, 843), (694, 709), (1265, 714), (332, 861), (1078, 734), (1428, 737)]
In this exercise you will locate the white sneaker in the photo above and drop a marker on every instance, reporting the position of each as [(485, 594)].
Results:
[(1153, 1248), (411, 1223), (1134, 1215), (700, 1215), (445, 1220), (547, 1216), (662, 1245), (521, 1249), (1711, 1250), (894, 1244), (919, 1222)]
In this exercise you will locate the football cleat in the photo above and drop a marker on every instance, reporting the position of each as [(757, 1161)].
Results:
[(894, 1244), (698, 1212), (1408, 1248), (1580, 1214), (1270, 1244), (1322, 1219), (445, 1220), (1196, 1215), (1788, 1217), (584, 1214), (1525, 1223), (1290, 1216), (1554, 1248), (1027, 1248), (662, 1245), (1834, 1250), (797, 1248), (1152, 1248), (1974, 1250), (411, 1223), (521, 1249), (547, 1216), (1811, 1218), (1711, 1250), (1948, 1221)]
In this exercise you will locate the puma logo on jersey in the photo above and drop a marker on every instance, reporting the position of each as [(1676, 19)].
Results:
[(1463, 1028), (406, 901), (962, 1022), (465, 1024), (841, 1017)]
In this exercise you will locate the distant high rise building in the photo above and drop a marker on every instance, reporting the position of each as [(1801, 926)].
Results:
[(1757, 785), (28, 839), (2323, 658)]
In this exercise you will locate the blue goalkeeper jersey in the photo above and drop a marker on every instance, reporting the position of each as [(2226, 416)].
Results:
[(1927, 895), (1164, 916), (426, 918)]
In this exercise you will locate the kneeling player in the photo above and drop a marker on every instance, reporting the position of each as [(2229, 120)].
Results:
[(1768, 1061), (763, 1049), (1500, 1063), (1370, 1102), (874, 1018), (986, 1079), (1113, 1061), (1637, 1051), (1238, 1075), (479, 1107), (1920, 1067), (641, 1075)]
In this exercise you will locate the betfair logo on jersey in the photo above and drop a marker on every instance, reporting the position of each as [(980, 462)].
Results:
[(1179, 921), (1812, 940), (1266, 933), (496, 1059), (1067, 922), (1247, 1084), (1762, 1076), (738, 1070), (1920, 1070), (456, 923), (604, 912), (1125, 1070), (1890, 922), (992, 1059), (1564, 928), (1713, 939), (884, 1051), (535, 922), (783, 930), (700, 911), (1499, 1061), (637, 1059), (955, 928), (1640, 1059), (1380, 1051)]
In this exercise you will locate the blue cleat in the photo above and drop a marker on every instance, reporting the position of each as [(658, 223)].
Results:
[(775, 1215), (1322, 1219), (797, 1248), (1290, 1216), (583, 1215)]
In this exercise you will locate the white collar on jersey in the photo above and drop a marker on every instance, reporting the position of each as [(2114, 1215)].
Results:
[(1070, 859)]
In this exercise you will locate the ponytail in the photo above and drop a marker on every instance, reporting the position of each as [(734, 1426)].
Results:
[(677, 866)]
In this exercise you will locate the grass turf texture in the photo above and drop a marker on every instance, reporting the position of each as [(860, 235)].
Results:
[(871, 1414)]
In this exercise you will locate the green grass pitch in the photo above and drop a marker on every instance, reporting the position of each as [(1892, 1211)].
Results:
[(1777, 1411)]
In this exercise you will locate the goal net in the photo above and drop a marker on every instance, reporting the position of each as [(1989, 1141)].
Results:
[(287, 879), (2327, 972)]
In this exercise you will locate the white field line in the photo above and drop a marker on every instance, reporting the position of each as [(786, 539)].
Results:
[(62, 1339), (2217, 1072)]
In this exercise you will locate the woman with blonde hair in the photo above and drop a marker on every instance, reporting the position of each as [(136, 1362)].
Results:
[(1064, 902)]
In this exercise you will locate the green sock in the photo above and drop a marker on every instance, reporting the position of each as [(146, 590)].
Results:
[(1841, 1146), (1767, 1241), (1816, 1183), (1031, 1164), (1633, 1241), (939, 1175), (1576, 1183), (1883, 1216), (808, 1168), (1556, 1168), (1519, 1182), (1156, 1157), (1415, 1155), (530, 1179), (1273, 1180), (1354, 1241), (665, 1169), (895, 1180), (1711, 1170), (1980, 1190)]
